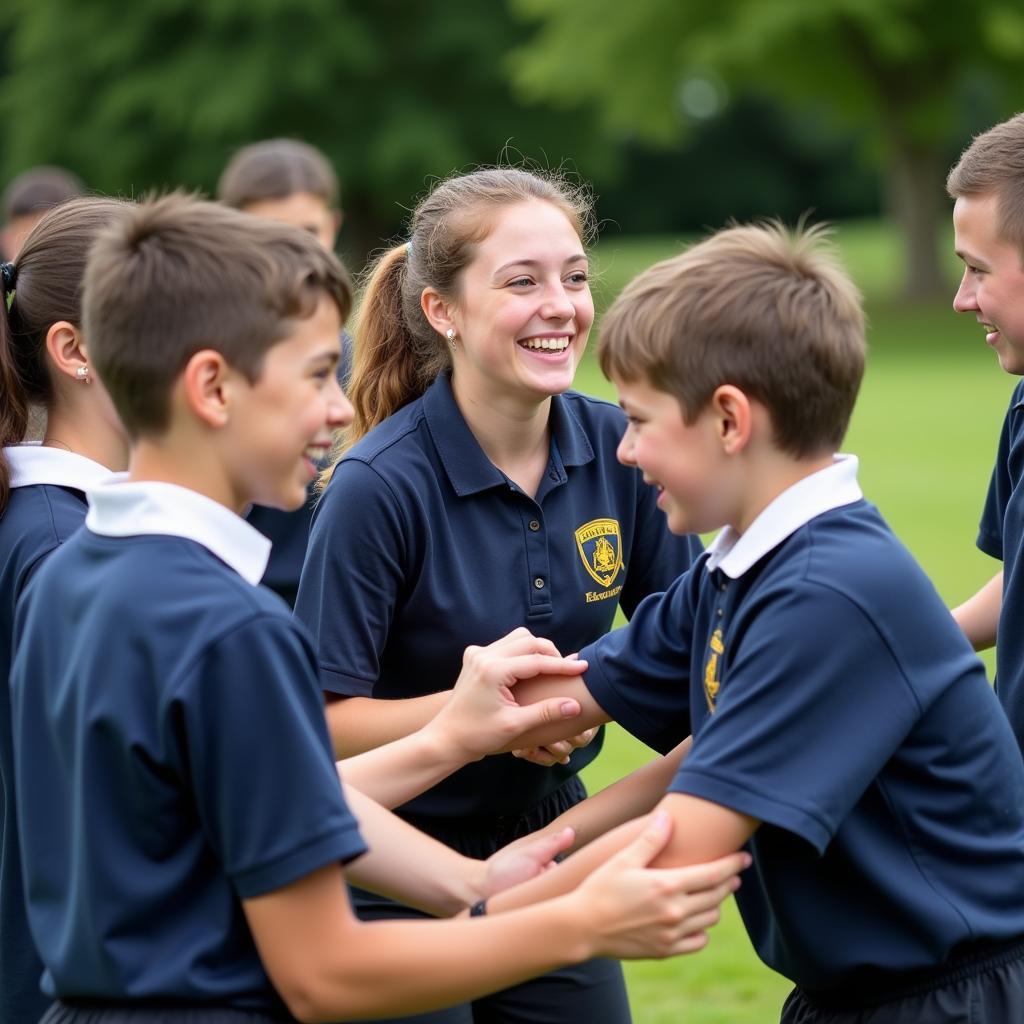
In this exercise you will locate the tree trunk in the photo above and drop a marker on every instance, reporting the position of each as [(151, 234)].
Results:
[(917, 205)]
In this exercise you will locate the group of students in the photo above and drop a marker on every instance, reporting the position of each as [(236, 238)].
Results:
[(176, 841)]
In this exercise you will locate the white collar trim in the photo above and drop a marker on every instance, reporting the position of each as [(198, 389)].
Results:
[(827, 489), (122, 508), (33, 464)]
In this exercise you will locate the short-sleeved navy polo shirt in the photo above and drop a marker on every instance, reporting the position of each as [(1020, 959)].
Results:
[(171, 753), (832, 697), (1001, 535), (47, 505), (421, 547)]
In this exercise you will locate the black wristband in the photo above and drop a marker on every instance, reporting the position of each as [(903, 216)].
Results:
[(478, 909)]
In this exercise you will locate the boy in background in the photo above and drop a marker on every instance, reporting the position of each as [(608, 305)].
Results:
[(28, 197), (988, 219)]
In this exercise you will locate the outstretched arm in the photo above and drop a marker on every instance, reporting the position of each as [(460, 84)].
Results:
[(327, 965), (479, 716)]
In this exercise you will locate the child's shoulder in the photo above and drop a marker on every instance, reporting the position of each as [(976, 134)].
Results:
[(37, 520)]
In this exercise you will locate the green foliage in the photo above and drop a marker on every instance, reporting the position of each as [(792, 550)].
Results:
[(134, 96), (880, 64)]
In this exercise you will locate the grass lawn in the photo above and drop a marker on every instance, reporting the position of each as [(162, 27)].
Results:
[(925, 429)]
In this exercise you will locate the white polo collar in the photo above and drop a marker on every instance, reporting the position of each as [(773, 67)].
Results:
[(123, 508), (34, 464), (828, 488)]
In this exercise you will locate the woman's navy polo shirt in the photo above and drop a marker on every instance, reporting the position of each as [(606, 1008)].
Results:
[(47, 505), (1001, 535), (421, 547), (171, 753), (832, 697)]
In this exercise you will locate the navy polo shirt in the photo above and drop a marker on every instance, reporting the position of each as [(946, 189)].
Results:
[(421, 547), (171, 753), (1001, 535), (46, 506), (288, 532), (832, 697)]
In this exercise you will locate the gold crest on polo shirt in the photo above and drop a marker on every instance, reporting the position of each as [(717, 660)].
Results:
[(712, 669), (599, 544)]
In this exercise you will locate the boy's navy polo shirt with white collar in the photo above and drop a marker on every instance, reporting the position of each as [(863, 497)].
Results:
[(47, 505), (421, 546), (832, 697), (1001, 535), (172, 755)]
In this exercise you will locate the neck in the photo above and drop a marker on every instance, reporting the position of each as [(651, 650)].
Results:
[(164, 459), (515, 436), (771, 474), (88, 435)]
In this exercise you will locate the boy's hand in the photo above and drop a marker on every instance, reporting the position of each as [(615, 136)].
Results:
[(523, 860), (556, 753), (642, 912), (481, 716)]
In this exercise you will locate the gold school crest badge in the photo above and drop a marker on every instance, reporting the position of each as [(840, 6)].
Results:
[(600, 546), (712, 674)]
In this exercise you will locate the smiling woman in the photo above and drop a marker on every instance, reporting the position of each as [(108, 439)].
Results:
[(477, 493)]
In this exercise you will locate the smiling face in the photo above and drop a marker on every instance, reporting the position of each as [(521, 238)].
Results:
[(283, 422), (684, 461), (524, 308), (992, 287)]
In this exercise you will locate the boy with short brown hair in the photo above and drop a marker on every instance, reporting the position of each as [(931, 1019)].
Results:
[(841, 724)]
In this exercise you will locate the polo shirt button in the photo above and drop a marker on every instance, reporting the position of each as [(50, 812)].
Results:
[(553, 475), (534, 525), (720, 613), (539, 583)]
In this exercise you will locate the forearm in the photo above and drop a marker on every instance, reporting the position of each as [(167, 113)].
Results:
[(358, 724), (532, 691), (406, 865), (434, 961), (978, 616), (400, 770), (631, 797)]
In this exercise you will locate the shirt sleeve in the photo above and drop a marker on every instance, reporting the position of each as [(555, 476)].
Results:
[(658, 556), (256, 749), (1001, 484), (352, 577), (639, 674), (810, 709)]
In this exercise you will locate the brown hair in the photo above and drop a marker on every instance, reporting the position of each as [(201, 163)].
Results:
[(994, 162), (766, 309), (179, 275), (40, 188), (275, 169), (398, 354), (47, 276)]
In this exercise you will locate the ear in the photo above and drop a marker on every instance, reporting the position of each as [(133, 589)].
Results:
[(437, 310), (66, 349), (733, 414), (206, 384)]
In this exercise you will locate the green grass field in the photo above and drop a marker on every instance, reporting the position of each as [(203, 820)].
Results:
[(925, 429)]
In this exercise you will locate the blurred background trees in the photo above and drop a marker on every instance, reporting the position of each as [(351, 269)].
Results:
[(682, 114)]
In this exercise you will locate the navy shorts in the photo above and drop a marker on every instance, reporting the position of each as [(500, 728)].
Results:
[(594, 992), (980, 985), (88, 1011)]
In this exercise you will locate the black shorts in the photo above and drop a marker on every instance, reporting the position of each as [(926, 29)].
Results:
[(89, 1011), (982, 985)]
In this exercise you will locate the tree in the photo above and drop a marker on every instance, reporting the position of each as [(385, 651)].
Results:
[(156, 94), (895, 71)]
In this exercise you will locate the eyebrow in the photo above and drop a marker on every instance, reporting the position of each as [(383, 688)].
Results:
[(966, 257), (536, 263)]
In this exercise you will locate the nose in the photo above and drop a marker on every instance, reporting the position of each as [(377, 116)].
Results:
[(339, 409), (625, 451), (557, 304), (965, 300)]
